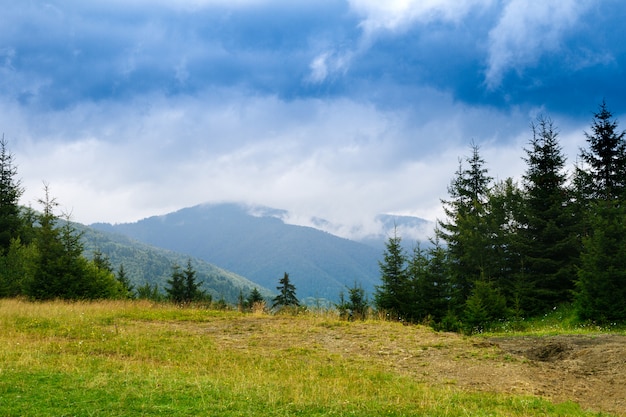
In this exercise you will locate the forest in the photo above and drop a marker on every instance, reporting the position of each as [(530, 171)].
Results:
[(505, 250), (513, 251)]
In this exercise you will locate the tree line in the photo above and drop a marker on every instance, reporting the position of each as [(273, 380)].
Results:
[(508, 250)]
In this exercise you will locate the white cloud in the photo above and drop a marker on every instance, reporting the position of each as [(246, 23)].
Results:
[(528, 30), (336, 159), (398, 14)]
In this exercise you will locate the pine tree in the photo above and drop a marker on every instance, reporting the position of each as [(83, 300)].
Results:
[(10, 193), (601, 285), (600, 289), (175, 289), (192, 287), (128, 290), (393, 295), (606, 156), (466, 229), (255, 297), (286, 294), (59, 268), (549, 241)]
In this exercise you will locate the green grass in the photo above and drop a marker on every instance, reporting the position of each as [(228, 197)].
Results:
[(139, 359), (561, 320)]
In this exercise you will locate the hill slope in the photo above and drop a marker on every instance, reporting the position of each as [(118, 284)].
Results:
[(261, 247), (147, 264)]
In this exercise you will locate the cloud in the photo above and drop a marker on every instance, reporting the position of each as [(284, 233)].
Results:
[(526, 32), (395, 15)]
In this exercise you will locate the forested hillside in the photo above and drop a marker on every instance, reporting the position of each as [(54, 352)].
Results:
[(261, 248), (145, 264)]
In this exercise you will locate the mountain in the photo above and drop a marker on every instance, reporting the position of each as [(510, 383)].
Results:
[(254, 242), (145, 264)]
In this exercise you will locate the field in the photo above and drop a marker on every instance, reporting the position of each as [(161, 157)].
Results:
[(142, 359)]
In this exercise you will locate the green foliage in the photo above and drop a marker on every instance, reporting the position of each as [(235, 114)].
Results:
[(10, 193), (485, 305), (394, 294), (255, 297), (144, 264), (601, 285), (467, 229), (355, 307), (286, 294), (549, 243), (182, 286)]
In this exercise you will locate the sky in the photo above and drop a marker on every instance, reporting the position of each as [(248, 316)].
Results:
[(335, 109)]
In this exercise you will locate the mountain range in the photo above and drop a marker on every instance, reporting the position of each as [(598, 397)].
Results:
[(256, 243)]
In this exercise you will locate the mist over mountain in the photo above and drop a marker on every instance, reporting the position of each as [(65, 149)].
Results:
[(255, 242)]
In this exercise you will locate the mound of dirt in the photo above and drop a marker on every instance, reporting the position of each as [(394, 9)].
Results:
[(590, 370)]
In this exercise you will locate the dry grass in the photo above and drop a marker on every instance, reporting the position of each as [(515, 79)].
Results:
[(138, 358)]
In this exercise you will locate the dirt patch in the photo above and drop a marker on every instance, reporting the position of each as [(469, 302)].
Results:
[(590, 370)]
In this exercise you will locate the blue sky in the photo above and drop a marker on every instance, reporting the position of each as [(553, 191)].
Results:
[(339, 109)]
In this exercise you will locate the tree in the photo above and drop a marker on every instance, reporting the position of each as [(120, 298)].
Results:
[(606, 156), (10, 193), (600, 288), (286, 294), (506, 208), (548, 237), (255, 297), (393, 295), (436, 288), (192, 290), (420, 287), (355, 307), (601, 285), (59, 269), (175, 289), (484, 305), (126, 286), (466, 229)]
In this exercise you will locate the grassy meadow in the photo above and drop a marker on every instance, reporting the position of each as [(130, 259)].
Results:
[(117, 358)]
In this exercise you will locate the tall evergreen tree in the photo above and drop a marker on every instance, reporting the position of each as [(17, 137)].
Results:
[(601, 285), (59, 268), (466, 229), (175, 289), (10, 193), (192, 286), (549, 241), (602, 274), (606, 156), (286, 294), (506, 206), (394, 294), (128, 290)]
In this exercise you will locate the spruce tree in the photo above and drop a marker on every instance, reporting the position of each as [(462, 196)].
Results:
[(253, 298), (466, 229), (128, 290), (606, 156), (600, 289), (549, 241), (59, 268), (10, 193), (175, 289), (192, 287), (286, 294), (393, 295)]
